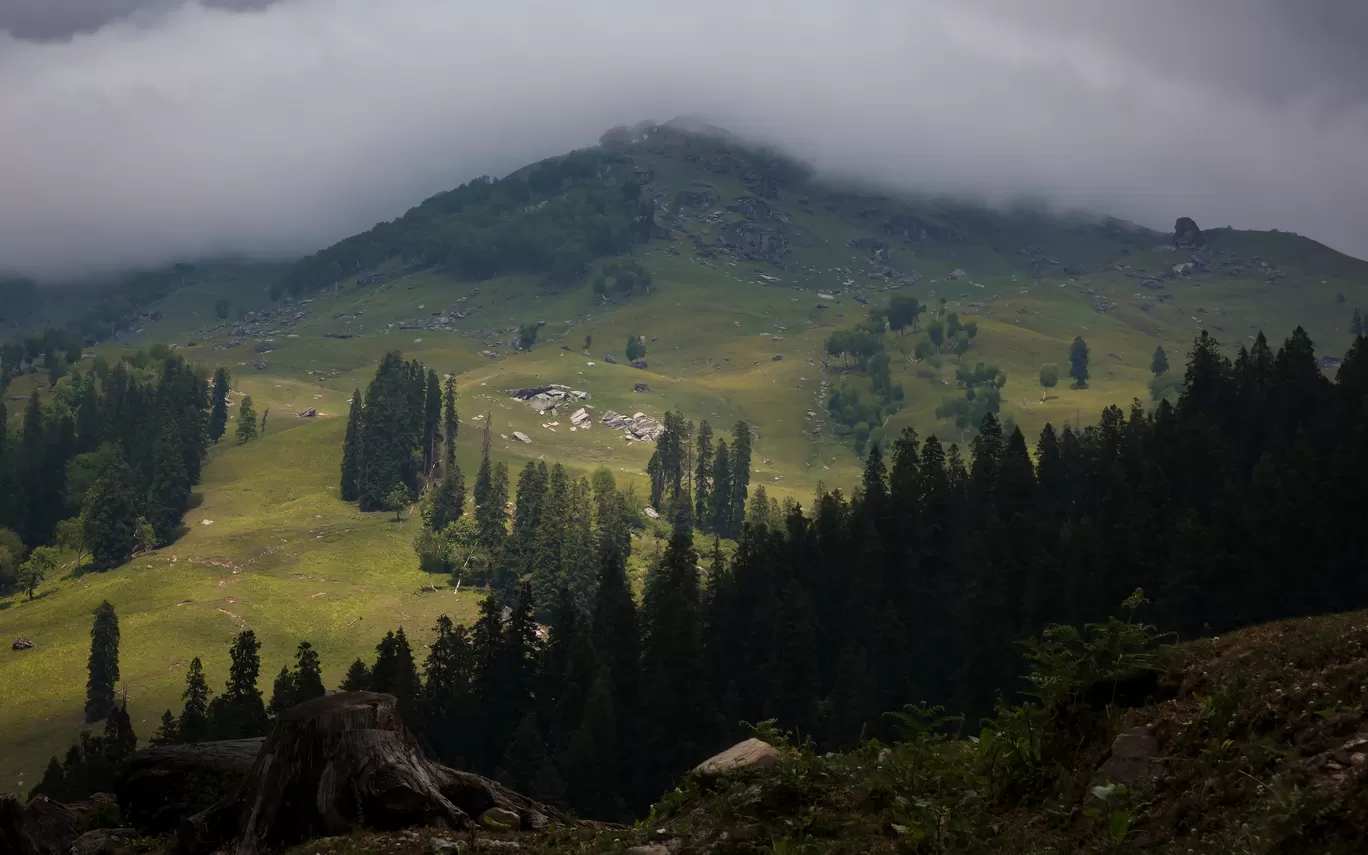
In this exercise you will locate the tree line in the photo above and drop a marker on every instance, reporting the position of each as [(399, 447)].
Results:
[(105, 466)]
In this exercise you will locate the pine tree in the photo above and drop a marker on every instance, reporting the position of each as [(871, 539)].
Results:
[(89, 419), (194, 718), (1356, 325), (702, 486), (351, 451), (740, 480), (1078, 362), (451, 423), (239, 713), (720, 512), (395, 674), (218, 414), (392, 431), (282, 692), (104, 663), (53, 785), (246, 421), (616, 634), (797, 682), (1159, 364), (308, 674), (446, 695), (167, 734), (358, 678), (111, 513), (168, 495), (525, 766), (432, 422)]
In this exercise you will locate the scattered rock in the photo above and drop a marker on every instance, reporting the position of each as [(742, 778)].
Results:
[(652, 513), (958, 273), (638, 363), (521, 437), (206, 522), (776, 358), (22, 644), (579, 418), (1131, 761), (750, 754), (639, 426), (443, 846), (309, 413), (261, 347), (259, 365), (610, 360), (641, 387), (500, 818)]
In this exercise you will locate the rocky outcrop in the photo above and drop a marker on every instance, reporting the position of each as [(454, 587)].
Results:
[(1186, 235), (637, 426), (754, 208), (873, 246), (754, 242)]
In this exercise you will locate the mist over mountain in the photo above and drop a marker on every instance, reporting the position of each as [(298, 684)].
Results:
[(158, 131)]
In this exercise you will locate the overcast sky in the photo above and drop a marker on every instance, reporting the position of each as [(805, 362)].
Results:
[(136, 132)]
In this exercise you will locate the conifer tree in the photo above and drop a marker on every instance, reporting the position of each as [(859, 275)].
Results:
[(357, 679), (240, 713), (702, 486), (246, 421), (111, 513), (193, 725), (218, 413), (451, 423), (394, 673), (526, 768), (797, 683), (351, 451), (447, 502), (1159, 364), (1356, 324), (720, 512), (741, 472), (89, 419), (104, 663), (432, 422), (446, 696), (1078, 362), (167, 733), (282, 692), (168, 495)]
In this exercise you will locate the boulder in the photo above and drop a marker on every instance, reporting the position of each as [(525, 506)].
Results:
[(652, 513), (579, 417), (776, 358), (521, 437), (610, 360), (104, 841), (309, 413), (641, 387), (500, 818), (752, 754), (638, 363), (1131, 761), (41, 827), (22, 644), (958, 273), (1186, 235)]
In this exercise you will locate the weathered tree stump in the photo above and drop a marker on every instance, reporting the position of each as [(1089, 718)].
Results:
[(340, 763), (160, 786)]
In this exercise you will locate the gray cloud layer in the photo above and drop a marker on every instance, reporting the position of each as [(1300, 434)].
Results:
[(187, 130)]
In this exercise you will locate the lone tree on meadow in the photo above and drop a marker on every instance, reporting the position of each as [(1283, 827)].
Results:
[(1160, 363), (527, 335), (42, 563), (1078, 362), (1049, 378), (636, 348), (104, 663), (397, 499), (351, 451), (246, 421)]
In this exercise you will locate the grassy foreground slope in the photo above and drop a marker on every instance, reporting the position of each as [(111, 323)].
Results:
[(1253, 743)]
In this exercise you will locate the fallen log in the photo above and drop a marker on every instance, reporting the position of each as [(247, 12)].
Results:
[(340, 763)]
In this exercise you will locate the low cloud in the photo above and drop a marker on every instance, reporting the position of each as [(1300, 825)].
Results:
[(187, 130)]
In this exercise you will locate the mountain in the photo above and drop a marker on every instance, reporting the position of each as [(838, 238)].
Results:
[(748, 281)]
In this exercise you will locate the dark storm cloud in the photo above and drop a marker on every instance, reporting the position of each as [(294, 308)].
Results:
[(186, 130), (46, 20)]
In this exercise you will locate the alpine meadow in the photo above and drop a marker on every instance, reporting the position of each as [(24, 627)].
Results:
[(940, 526)]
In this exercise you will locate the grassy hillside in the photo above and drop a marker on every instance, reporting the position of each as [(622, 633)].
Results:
[(744, 244)]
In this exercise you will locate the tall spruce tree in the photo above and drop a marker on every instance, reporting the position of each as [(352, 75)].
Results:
[(193, 725), (432, 422), (702, 486), (103, 666), (720, 514), (111, 512), (357, 678), (451, 423), (240, 713), (741, 472), (218, 413), (394, 673), (446, 696), (168, 494), (351, 451), (1078, 362)]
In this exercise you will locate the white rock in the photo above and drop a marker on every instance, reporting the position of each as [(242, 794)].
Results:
[(521, 437)]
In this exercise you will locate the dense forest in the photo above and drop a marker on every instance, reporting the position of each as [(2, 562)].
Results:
[(1238, 504), (105, 466)]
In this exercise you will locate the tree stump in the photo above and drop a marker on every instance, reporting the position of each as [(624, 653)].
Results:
[(42, 827), (339, 763)]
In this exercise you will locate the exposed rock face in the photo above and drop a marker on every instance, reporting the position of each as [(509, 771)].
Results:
[(1186, 235), (754, 208), (22, 644), (751, 754), (754, 242), (697, 200)]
